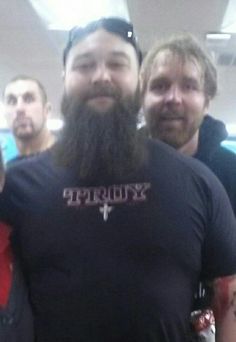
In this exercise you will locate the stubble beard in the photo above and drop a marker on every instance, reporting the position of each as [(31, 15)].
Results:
[(176, 137), (20, 131), (26, 136)]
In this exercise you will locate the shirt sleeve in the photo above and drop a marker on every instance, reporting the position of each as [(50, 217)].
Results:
[(219, 249)]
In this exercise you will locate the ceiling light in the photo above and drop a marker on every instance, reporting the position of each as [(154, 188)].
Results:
[(229, 21), (64, 14), (218, 36), (55, 124)]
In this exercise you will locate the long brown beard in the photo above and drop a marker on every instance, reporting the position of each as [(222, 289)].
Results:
[(100, 144)]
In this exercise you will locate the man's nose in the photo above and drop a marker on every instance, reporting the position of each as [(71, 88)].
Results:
[(174, 94), (101, 74), (20, 107)]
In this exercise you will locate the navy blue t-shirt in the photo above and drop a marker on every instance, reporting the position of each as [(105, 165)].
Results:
[(118, 261)]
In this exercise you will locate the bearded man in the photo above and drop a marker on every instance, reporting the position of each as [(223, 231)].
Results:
[(101, 223)]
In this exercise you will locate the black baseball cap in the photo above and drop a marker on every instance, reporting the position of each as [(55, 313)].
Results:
[(115, 25)]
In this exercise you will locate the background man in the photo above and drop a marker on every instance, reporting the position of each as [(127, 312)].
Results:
[(112, 248), (179, 80), (26, 111)]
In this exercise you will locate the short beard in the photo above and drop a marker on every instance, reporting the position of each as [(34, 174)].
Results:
[(27, 137), (99, 144), (176, 138)]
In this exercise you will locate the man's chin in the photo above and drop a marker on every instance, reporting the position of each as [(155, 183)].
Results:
[(101, 104), (20, 135)]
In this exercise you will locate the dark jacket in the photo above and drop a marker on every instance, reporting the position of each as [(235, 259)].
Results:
[(219, 159)]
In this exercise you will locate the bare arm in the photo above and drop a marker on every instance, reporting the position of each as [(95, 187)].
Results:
[(224, 307)]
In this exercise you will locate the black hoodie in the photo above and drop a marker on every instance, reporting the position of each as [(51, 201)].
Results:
[(219, 159)]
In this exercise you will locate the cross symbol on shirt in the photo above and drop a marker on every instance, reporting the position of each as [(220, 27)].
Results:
[(105, 210)]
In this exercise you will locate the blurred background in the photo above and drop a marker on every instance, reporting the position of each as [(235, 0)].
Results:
[(33, 34)]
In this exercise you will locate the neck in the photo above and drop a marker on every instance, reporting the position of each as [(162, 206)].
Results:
[(190, 148), (44, 140)]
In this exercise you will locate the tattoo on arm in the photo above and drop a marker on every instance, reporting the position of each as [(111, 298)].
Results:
[(224, 297), (233, 304)]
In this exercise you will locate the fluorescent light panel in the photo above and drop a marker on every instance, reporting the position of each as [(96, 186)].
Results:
[(65, 14), (229, 21), (218, 36), (55, 124)]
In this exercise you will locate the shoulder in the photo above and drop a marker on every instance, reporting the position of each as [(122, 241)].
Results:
[(12, 161), (224, 154), (189, 176), (28, 172), (34, 161), (223, 164), (164, 157)]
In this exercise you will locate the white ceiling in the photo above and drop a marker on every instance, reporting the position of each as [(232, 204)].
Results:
[(27, 47)]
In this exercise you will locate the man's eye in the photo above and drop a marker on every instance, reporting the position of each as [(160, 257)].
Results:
[(11, 101), (117, 65), (189, 86), (159, 86), (28, 98), (83, 66)]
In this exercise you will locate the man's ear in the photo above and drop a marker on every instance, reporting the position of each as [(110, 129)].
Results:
[(48, 107), (141, 87), (207, 105), (140, 83), (63, 75)]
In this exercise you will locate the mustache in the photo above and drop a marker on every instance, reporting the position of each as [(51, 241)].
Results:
[(22, 121), (102, 90), (167, 114)]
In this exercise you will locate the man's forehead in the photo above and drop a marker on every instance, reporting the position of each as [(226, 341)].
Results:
[(167, 60), (20, 87), (110, 43), (167, 57)]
